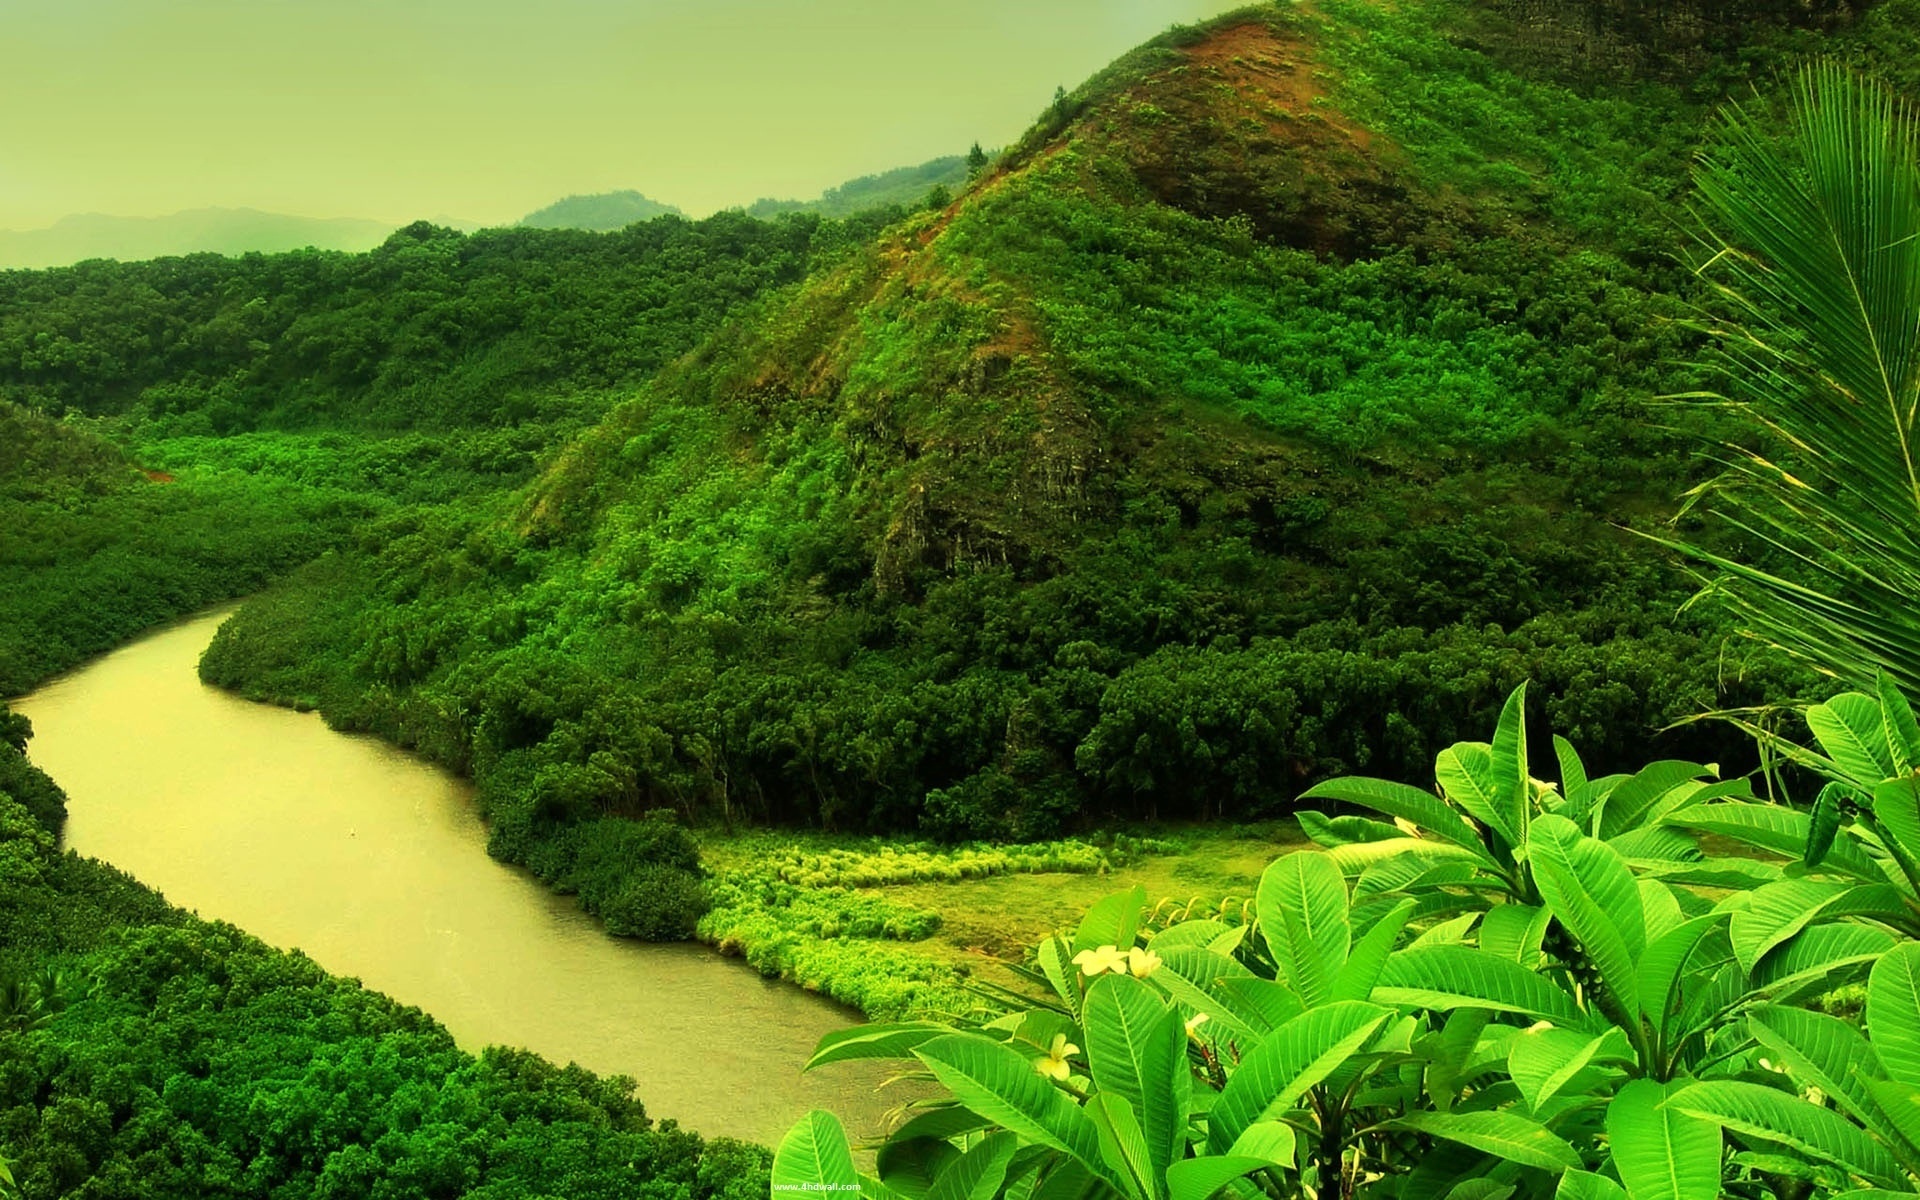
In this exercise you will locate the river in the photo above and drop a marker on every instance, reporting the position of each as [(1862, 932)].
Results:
[(374, 863)]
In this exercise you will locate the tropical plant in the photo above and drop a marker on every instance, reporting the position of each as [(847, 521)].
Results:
[(1859, 843), (1593, 1008), (1815, 252), (1467, 846)]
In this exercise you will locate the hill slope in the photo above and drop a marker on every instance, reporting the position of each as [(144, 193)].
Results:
[(1266, 413), (903, 187), (602, 212)]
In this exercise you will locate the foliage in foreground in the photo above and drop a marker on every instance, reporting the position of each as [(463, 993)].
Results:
[(1515, 989)]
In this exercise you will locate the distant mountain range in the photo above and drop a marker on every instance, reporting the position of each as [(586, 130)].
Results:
[(219, 230), (241, 230), (605, 212)]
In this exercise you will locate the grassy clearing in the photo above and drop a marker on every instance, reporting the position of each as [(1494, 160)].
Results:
[(911, 945)]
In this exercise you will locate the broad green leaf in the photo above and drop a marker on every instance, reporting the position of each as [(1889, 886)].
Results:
[(1270, 1140), (1778, 829), (1422, 808), (1655, 843), (1057, 965), (1508, 1135), (1003, 1086), (896, 1040), (1464, 772), (1189, 973), (1302, 905), (1893, 1011), (1451, 932), (1203, 1177), (1591, 892), (1112, 921), (1035, 1030), (1573, 773), (1188, 933), (1266, 1003), (1122, 1146), (1902, 733), (1821, 1051), (1760, 1111), (1542, 1061), (1480, 1189), (1818, 952), (1447, 977), (1734, 873), (1823, 823), (1137, 1048), (1850, 729), (1776, 912), (1356, 858), (1288, 1061), (1660, 908), (1898, 1107), (1896, 803), (1356, 978), (874, 1189), (978, 1174), (908, 1165), (1627, 804), (1345, 831), (1514, 931), (814, 1156), (1659, 1152), (1069, 1179), (1661, 969), (1509, 766), (1585, 1185), (1412, 870)]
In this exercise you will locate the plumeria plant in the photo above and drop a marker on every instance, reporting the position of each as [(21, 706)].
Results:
[(1623, 1027)]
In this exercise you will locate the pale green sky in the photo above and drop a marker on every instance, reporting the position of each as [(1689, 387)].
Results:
[(487, 109)]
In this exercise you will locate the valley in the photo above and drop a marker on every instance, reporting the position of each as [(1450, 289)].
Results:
[(1234, 642)]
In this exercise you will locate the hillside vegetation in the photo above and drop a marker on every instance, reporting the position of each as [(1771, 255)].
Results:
[(1269, 411), (223, 420)]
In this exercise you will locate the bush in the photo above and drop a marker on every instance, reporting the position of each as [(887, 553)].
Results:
[(656, 903)]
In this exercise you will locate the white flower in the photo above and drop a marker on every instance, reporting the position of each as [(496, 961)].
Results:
[(1053, 1064), (1142, 963), (1099, 962)]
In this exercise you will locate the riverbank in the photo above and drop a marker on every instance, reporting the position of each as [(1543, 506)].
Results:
[(374, 863), (899, 929)]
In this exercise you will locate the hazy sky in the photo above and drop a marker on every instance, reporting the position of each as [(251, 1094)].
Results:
[(487, 109)]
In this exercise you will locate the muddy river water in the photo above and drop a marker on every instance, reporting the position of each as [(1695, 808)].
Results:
[(374, 863)]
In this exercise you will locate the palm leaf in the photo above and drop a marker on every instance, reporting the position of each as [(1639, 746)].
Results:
[(1817, 257)]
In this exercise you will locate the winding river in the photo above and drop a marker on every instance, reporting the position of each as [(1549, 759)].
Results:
[(374, 863)]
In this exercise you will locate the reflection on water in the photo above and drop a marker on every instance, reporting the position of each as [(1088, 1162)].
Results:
[(374, 863)]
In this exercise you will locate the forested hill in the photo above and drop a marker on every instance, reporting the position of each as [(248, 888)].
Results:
[(432, 330), (1267, 412)]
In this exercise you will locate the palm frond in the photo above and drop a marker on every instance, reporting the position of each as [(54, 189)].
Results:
[(1815, 256)]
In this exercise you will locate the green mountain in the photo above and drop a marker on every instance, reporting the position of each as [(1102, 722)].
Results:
[(902, 187), (1268, 411), (603, 212), (201, 230)]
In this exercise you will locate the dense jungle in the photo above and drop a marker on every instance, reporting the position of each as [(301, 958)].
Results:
[(1049, 601)]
